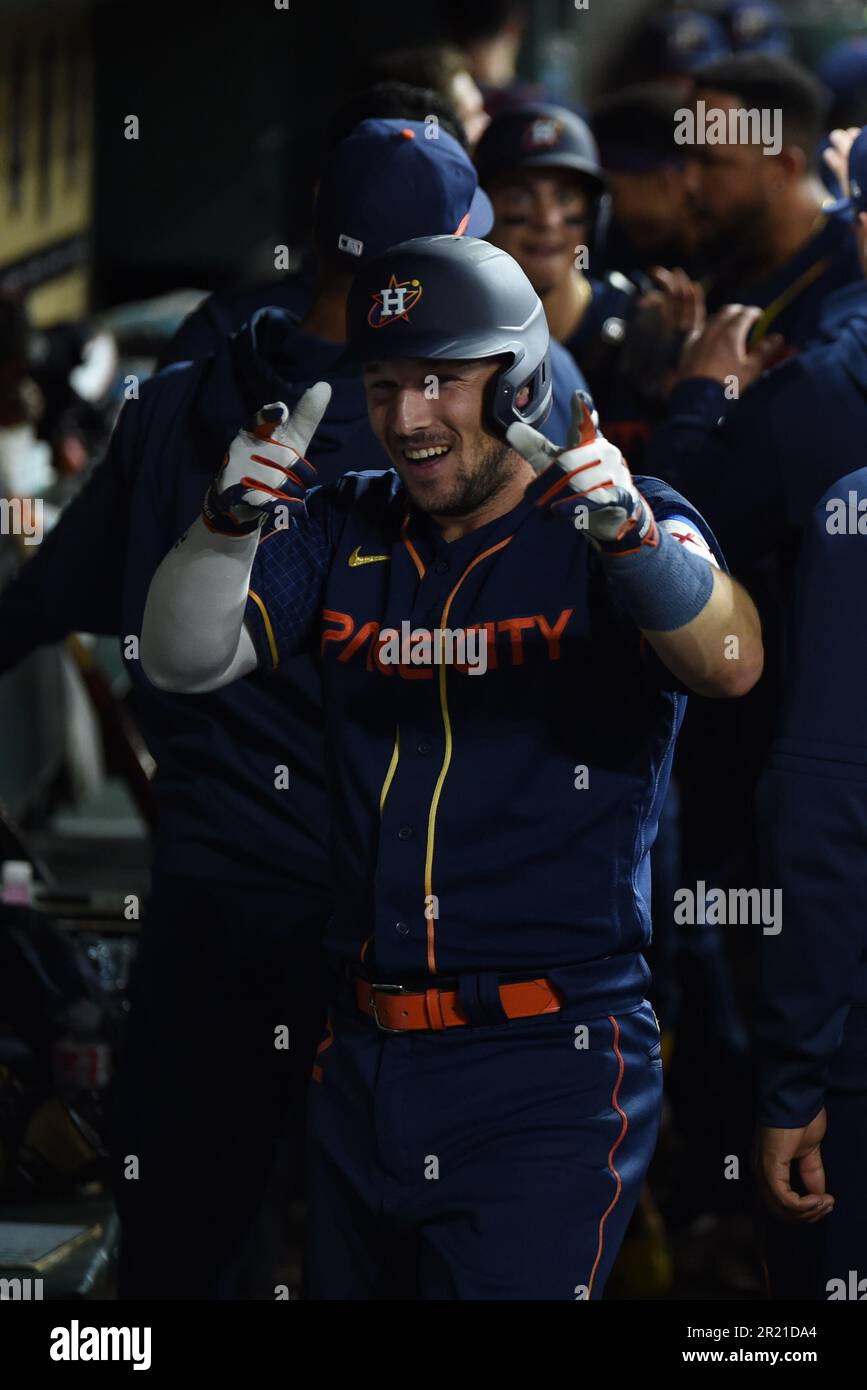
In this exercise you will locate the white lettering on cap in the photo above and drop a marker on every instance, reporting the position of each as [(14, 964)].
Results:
[(349, 243)]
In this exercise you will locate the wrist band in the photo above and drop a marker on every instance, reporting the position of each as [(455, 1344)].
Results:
[(663, 586)]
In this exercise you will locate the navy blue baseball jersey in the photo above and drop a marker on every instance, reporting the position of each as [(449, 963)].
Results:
[(492, 819)]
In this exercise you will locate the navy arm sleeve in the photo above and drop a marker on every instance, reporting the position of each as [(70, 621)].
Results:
[(74, 582)]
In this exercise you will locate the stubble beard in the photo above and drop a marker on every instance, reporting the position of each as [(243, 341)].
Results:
[(471, 490)]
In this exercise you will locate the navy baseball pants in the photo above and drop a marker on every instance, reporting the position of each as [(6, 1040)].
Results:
[(500, 1161)]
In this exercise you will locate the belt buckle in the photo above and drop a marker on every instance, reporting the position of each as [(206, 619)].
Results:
[(387, 989)]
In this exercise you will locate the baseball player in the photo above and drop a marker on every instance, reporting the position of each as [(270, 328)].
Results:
[(242, 824), (760, 216), (651, 223), (540, 166), (506, 633), (812, 1015)]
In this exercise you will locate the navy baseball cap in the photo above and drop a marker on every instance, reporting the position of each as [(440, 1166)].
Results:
[(844, 68), (392, 180), (757, 26), (538, 136), (682, 42)]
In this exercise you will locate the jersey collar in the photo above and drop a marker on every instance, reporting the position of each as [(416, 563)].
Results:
[(421, 527)]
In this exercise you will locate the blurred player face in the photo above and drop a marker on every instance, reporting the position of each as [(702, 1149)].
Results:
[(468, 466), (730, 188), (653, 209), (540, 217)]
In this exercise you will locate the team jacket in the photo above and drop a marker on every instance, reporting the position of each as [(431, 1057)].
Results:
[(481, 822), (813, 804), (756, 467)]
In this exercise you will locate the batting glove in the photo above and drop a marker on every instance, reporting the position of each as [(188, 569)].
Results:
[(594, 477), (265, 467)]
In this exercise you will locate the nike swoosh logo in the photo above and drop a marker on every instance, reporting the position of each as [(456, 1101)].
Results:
[(356, 558)]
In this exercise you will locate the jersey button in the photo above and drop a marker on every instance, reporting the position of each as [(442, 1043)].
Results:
[(405, 832), (424, 747), (441, 567), (402, 928)]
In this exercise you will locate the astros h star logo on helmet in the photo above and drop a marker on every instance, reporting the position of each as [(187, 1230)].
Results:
[(396, 301)]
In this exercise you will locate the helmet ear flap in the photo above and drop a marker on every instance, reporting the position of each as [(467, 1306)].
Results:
[(497, 404), (501, 393)]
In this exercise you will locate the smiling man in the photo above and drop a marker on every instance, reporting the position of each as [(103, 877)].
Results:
[(539, 165), (486, 1099), (448, 466)]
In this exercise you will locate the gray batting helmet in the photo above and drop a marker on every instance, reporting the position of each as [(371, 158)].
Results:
[(459, 298)]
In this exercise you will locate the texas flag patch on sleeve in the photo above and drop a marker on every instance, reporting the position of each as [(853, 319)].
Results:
[(689, 536)]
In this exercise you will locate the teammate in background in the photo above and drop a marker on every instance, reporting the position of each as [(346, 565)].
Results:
[(787, 430), (540, 166), (785, 439), (493, 819), (645, 173), (207, 327), (760, 216), (230, 949), (317, 295), (812, 1016)]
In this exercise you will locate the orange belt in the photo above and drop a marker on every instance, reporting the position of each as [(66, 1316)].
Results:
[(396, 1009)]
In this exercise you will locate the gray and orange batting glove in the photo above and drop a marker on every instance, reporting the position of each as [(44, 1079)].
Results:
[(594, 477), (264, 467)]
